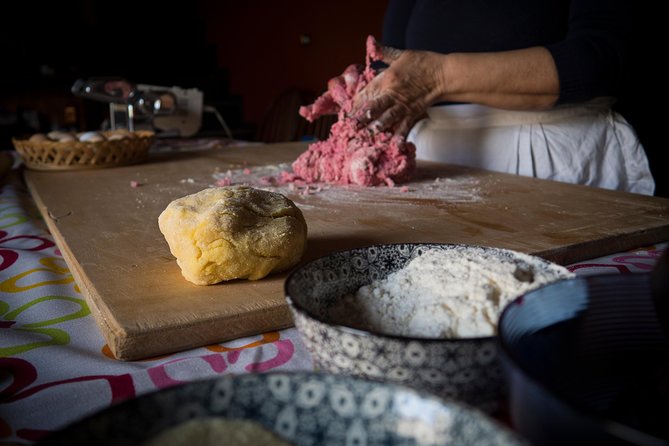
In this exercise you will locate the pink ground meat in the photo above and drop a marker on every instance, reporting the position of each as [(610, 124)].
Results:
[(352, 155)]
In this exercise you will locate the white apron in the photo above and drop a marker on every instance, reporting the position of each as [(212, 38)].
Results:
[(585, 143)]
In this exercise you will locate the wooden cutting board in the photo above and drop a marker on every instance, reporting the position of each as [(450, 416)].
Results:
[(108, 233)]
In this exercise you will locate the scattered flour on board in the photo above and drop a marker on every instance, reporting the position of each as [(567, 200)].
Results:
[(451, 293), (425, 185)]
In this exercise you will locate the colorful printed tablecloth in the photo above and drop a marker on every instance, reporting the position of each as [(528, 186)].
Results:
[(54, 364)]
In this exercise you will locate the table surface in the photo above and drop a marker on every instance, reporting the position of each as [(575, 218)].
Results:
[(108, 233), (54, 364)]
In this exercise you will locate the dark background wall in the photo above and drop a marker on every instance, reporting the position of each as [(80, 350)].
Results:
[(272, 45)]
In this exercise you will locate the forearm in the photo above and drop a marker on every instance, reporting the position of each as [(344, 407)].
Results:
[(519, 79)]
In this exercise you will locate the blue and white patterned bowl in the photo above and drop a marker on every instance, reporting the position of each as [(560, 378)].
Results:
[(464, 369), (302, 408)]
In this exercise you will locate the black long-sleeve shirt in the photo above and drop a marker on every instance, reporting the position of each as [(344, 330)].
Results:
[(587, 38)]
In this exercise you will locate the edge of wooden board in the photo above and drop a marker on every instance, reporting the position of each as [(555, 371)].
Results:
[(103, 319), (615, 243)]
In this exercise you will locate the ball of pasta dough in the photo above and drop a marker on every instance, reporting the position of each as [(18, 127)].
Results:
[(234, 232)]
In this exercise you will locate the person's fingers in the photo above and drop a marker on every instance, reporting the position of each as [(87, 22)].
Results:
[(403, 127), (390, 54), (365, 101), (390, 115), (371, 108)]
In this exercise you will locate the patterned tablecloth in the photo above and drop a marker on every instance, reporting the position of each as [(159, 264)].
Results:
[(54, 364)]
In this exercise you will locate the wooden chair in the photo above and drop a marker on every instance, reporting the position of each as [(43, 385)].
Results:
[(317, 130), (283, 123)]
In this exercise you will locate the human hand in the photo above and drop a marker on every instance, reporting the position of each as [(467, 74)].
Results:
[(400, 95), (338, 95)]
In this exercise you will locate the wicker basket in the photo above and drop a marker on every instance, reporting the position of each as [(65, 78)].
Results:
[(74, 155)]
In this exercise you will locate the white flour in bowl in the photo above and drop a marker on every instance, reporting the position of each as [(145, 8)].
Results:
[(452, 293)]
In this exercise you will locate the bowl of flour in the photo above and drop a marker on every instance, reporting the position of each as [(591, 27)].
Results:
[(424, 315)]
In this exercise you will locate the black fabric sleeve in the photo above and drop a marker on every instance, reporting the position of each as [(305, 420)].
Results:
[(591, 59), (397, 15)]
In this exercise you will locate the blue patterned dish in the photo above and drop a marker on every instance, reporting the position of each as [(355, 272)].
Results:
[(302, 408), (466, 369)]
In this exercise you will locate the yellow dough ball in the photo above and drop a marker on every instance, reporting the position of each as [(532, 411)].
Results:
[(234, 232)]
